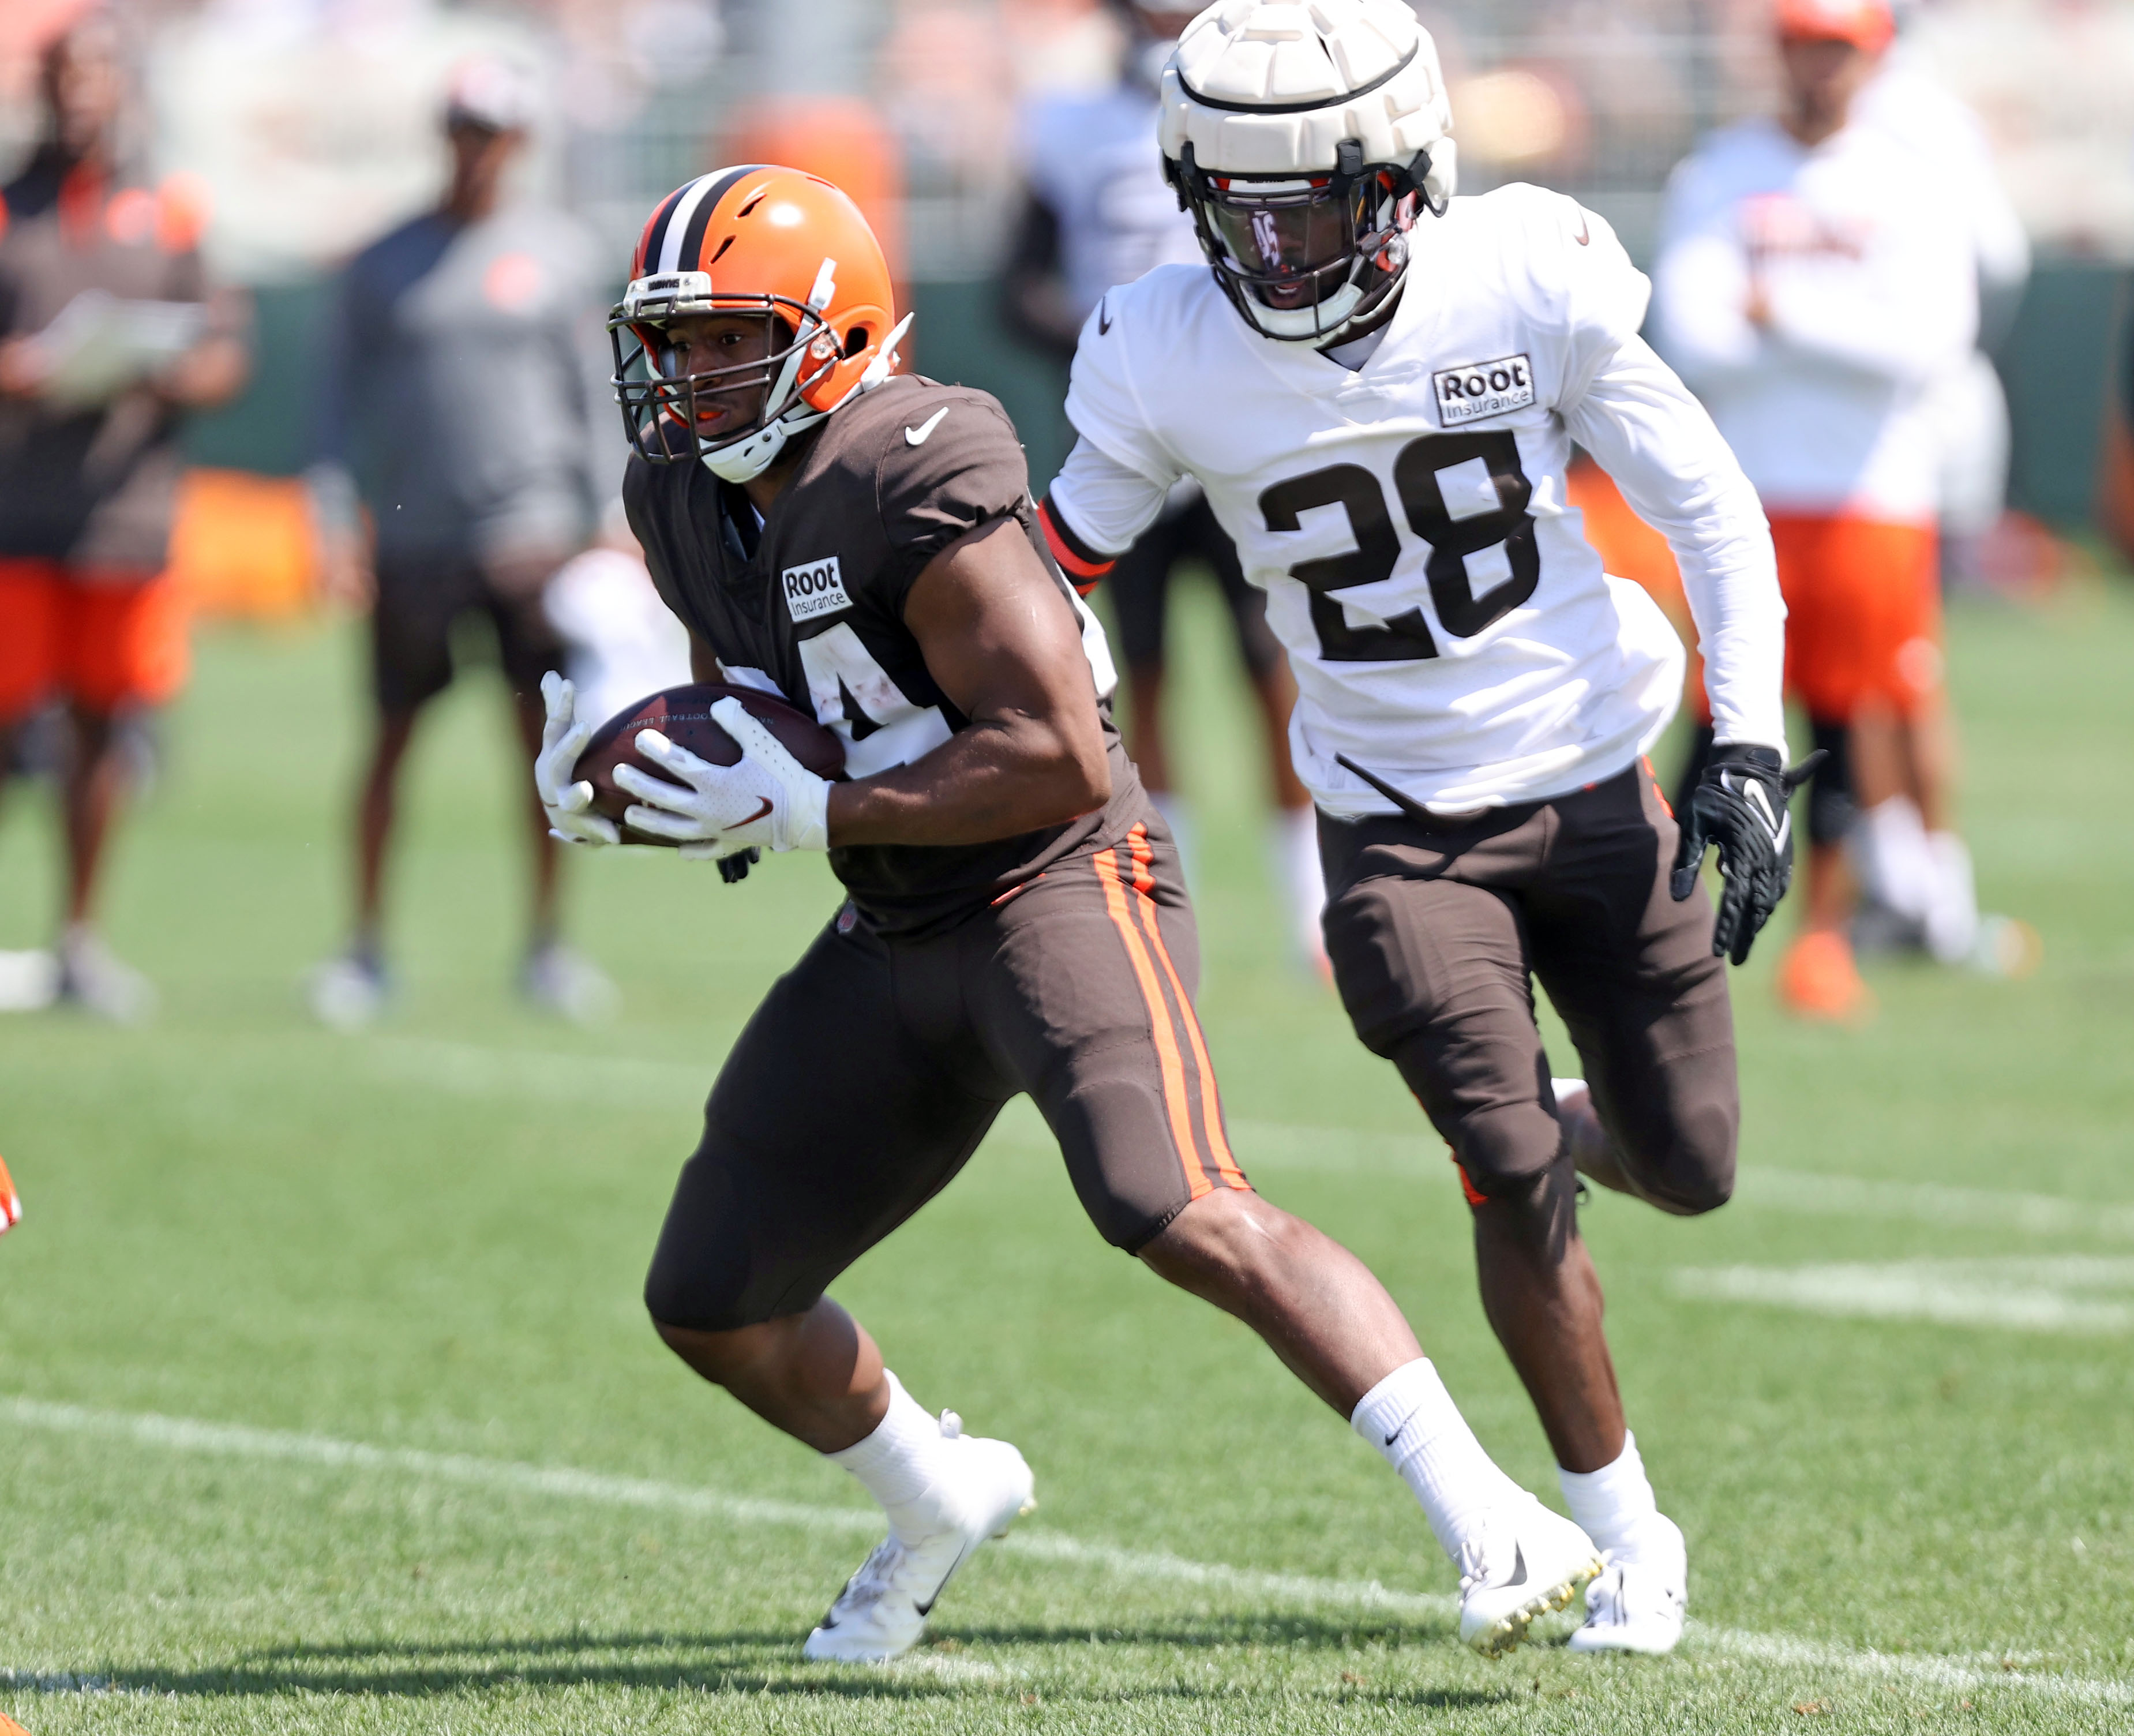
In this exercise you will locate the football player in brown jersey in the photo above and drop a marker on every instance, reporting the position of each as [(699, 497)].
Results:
[(863, 543)]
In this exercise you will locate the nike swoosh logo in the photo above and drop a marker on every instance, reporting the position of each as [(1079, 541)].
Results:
[(926, 1609), (752, 818), (1518, 1568), (1582, 238), (1393, 1437), (1103, 317), (917, 436)]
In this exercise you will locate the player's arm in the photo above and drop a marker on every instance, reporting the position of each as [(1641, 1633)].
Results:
[(1644, 429), (1001, 642), (1096, 509)]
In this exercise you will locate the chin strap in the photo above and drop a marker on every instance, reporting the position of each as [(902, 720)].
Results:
[(744, 460), (884, 364)]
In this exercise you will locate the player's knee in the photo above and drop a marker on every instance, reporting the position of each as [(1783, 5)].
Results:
[(747, 1357), (1505, 1149), (691, 1300), (1229, 1232), (1686, 1166)]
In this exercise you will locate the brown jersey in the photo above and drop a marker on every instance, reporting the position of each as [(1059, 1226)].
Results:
[(809, 604)]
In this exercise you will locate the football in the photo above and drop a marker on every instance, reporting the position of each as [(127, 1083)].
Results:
[(683, 715)]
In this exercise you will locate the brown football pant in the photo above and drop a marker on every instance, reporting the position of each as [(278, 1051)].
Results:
[(1436, 933)]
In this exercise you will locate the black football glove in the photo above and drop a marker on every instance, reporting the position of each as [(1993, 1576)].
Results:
[(1741, 804), (734, 869)]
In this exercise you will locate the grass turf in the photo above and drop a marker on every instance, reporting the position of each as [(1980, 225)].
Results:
[(427, 1242)]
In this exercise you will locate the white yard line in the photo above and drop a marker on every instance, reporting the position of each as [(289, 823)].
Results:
[(181, 1435), (1982, 1208), (2049, 1295)]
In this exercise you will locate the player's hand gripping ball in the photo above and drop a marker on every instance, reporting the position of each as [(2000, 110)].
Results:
[(568, 804), (737, 770), (1742, 804)]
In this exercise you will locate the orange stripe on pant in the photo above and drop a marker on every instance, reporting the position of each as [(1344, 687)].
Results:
[(1171, 1063), (1211, 1108)]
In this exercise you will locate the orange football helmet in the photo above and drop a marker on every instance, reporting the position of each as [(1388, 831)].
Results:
[(758, 240)]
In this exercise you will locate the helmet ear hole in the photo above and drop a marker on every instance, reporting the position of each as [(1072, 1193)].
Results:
[(855, 340)]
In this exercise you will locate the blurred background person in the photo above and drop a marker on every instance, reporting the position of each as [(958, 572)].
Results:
[(1892, 849), (1096, 211), (459, 413), (621, 640), (1969, 408), (1817, 279), (110, 331)]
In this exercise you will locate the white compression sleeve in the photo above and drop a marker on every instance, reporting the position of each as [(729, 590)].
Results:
[(1105, 503), (1644, 429)]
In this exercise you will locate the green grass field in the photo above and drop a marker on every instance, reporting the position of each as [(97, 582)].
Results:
[(327, 1404)]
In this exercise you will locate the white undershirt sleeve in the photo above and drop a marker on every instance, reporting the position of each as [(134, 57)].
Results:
[(1642, 426), (1104, 503)]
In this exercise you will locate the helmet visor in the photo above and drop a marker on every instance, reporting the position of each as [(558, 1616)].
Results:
[(1291, 242)]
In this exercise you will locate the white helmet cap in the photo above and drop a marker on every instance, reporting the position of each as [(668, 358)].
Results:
[(1303, 135), (1267, 87)]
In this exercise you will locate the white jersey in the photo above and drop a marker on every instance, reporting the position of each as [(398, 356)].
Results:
[(1094, 162), (1450, 629), (1865, 264), (1966, 406), (1905, 101)]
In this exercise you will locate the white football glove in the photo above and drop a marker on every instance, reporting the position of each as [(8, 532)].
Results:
[(767, 798), (561, 742)]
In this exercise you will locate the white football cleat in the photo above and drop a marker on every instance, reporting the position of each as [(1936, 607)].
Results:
[(882, 1610), (92, 977), (348, 992), (560, 979), (1637, 1603), (1524, 1562)]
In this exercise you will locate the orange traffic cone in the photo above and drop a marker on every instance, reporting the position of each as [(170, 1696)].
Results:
[(11, 1214)]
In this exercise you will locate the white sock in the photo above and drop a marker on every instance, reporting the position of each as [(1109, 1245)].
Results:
[(1890, 853), (1293, 843), (1611, 1504), (904, 1463), (1952, 914), (1411, 1419)]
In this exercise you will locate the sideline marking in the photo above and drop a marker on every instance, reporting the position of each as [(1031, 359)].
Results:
[(238, 1440), (2025, 1295)]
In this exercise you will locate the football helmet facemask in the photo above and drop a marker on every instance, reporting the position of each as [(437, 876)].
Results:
[(758, 242), (1305, 141)]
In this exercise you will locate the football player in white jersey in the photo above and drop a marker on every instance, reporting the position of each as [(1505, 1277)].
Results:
[(1098, 212), (1377, 386)]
